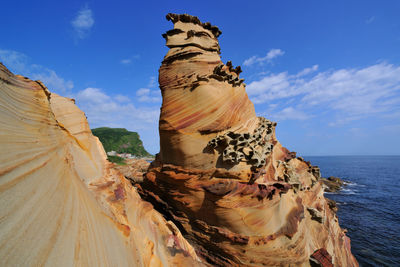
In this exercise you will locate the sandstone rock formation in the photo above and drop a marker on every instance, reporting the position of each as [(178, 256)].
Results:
[(61, 204), (230, 194), (133, 170), (237, 195)]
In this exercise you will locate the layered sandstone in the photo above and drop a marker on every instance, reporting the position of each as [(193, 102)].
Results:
[(61, 203), (237, 195), (202, 97), (229, 193)]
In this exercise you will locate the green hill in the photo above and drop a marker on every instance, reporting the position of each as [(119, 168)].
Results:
[(121, 141)]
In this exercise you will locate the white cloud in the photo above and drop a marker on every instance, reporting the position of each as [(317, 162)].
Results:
[(149, 99), (83, 22), (250, 61), (93, 95), (53, 81), (122, 98), (105, 110), (342, 120), (273, 53), (307, 71), (149, 96), (19, 64), (290, 113), (129, 60), (13, 59), (126, 61), (356, 92), (143, 91), (369, 90), (270, 87), (117, 111)]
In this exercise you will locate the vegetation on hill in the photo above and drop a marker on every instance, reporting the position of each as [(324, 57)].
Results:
[(121, 141), (117, 160)]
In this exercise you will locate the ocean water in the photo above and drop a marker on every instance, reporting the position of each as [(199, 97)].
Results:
[(369, 207)]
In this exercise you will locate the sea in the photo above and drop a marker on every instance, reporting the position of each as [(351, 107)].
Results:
[(369, 206)]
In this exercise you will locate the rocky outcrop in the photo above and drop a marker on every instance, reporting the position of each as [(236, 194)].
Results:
[(202, 97), (237, 195), (133, 169), (61, 203), (333, 184), (229, 193), (321, 258)]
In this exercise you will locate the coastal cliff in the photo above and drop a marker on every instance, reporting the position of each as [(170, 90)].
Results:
[(237, 195), (61, 202), (223, 190)]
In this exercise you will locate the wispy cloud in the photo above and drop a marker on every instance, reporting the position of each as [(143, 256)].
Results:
[(355, 93), (14, 60), (126, 61), (19, 63), (83, 22), (143, 91), (129, 60), (152, 82), (273, 53), (290, 113), (52, 80), (307, 71)]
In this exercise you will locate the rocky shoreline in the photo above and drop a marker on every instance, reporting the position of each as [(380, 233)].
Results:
[(333, 184)]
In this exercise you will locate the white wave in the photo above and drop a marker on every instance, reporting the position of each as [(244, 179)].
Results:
[(346, 191), (348, 183)]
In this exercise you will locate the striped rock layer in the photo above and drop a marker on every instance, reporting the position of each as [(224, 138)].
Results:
[(237, 195), (202, 97), (61, 204)]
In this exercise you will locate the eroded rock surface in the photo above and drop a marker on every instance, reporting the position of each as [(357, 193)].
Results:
[(230, 194), (237, 195), (61, 203), (134, 169)]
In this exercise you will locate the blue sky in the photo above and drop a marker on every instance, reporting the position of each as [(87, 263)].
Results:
[(327, 71)]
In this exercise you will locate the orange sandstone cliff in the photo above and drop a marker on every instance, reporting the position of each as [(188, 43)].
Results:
[(61, 203), (236, 194)]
